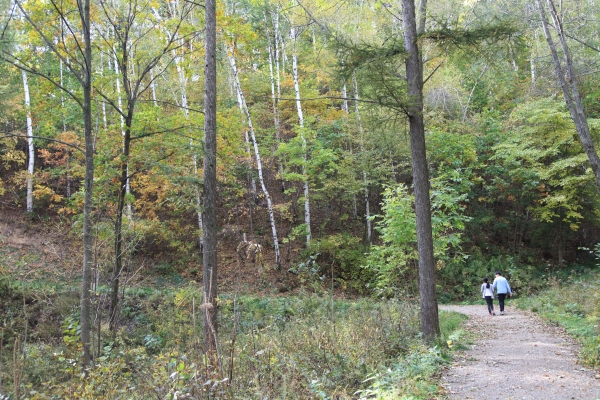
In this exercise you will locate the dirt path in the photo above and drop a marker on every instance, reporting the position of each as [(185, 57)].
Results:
[(517, 356)]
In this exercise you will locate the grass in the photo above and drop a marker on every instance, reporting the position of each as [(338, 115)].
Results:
[(293, 347), (573, 303)]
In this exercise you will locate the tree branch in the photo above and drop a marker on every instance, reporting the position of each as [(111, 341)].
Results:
[(9, 135)]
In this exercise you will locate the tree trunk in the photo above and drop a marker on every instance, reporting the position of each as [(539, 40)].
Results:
[(244, 108), (88, 239), (252, 192), (568, 82), (82, 70), (30, 146), (104, 117), (304, 144), (122, 119), (275, 98), (559, 239), (430, 326), (364, 172), (209, 259), (121, 196)]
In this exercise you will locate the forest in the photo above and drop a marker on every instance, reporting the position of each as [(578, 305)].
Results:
[(269, 199)]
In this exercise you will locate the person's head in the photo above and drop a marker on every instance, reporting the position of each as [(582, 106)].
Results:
[(485, 280), (498, 273)]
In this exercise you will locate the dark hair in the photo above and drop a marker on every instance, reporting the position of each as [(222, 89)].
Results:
[(498, 273), (486, 281)]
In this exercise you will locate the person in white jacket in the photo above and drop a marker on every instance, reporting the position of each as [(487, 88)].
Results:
[(488, 294)]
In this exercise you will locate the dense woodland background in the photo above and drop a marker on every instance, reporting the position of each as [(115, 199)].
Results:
[(313, 153)]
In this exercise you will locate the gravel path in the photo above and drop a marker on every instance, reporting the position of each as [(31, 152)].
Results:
[(517, 356)]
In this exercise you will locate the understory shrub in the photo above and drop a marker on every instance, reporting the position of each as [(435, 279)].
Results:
[(292, 347)]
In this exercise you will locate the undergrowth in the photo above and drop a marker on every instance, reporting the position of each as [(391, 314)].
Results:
[(574, 303), (294, 347)]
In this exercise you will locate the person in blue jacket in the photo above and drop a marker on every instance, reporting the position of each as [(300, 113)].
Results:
[(502, 288)]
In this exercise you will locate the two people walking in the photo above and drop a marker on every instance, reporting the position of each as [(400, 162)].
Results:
[(502, 288)]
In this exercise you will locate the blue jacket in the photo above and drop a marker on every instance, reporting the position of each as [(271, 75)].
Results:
[(501, 285)]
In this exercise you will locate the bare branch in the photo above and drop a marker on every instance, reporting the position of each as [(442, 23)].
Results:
[(326, 98), (50, 44), (10, 135), (176, 105), (170, 130), (20, 64), (432, 72)]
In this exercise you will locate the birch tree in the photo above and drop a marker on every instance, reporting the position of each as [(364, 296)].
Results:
[(273, 50), (30, 145), (362, 150), (305, 184), (244, 108)]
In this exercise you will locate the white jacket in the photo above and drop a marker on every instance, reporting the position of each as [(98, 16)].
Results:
[(485, 291)]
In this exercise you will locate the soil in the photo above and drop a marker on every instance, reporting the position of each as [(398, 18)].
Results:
[(517, 356)]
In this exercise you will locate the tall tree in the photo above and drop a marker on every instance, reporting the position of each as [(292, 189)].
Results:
[(73, 47), (430, 325), (209, 257), (567, 78), (293, 36)]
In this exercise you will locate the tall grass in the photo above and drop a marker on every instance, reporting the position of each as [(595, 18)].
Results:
[(289, 348)]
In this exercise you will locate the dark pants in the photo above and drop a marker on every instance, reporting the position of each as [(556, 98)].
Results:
[(490, 303), (501, 297)]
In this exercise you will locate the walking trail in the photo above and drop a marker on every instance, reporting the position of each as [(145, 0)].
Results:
[(517, 357)]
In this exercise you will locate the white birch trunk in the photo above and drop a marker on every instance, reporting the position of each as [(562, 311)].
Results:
[(238, 95), (30, 146), (466, 107), (246, 112), (365, 179), (303, 137), (278, 46), (153, 87), (275, 99), (346, 109), (279, 42), (120, 104), (62, 97), (345, 101), (533, 56), (104, 117)]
